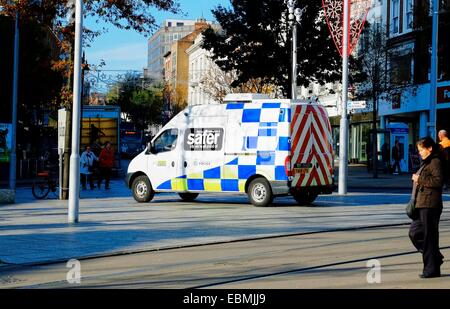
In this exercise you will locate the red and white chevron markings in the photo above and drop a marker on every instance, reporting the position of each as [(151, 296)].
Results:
[(311, 146)]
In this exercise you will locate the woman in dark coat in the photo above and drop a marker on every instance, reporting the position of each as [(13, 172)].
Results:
[(424, 231)]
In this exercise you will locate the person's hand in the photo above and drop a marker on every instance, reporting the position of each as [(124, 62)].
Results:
[(415, 178)]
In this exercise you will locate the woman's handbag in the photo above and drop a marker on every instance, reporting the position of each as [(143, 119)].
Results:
[(411, 210)]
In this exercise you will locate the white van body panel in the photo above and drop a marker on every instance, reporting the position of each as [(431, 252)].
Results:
[(220, 148)]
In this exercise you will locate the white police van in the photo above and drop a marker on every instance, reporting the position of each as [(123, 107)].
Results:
[(251, 144)]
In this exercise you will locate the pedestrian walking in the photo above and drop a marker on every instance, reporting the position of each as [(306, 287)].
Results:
[(106, 162), (87, 167), (396, 157), (445, 149), (424, 231)]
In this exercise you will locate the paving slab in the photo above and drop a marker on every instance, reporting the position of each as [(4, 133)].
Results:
[(37, 231)]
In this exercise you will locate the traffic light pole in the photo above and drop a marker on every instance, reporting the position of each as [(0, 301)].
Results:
[(74, 177)]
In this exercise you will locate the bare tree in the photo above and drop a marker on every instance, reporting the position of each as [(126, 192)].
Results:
[(216, 84), (383, 79)]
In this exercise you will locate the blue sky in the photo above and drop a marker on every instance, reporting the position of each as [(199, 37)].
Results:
[(127, 50)]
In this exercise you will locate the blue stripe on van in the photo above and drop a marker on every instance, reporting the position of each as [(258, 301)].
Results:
[(245, 171), (280, 173), (271, 105), (283, 143), (165, 185), (195, 184), (252, 142), (265, 158), (267, 132), (234, 162), (213, 173), (268, 124), (285, 115), (251, 115), (230, 185), (235, 106)]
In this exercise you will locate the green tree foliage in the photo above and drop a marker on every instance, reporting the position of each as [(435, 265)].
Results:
[(256, 43), (38, 83), (142, 103), (130, 14)]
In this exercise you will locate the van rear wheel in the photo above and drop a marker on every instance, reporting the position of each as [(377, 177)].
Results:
[(305, 198), (260, 193), (142, 189), (188, 197)]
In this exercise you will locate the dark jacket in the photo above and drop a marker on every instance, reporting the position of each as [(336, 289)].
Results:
[(431, 180), (395, 153)]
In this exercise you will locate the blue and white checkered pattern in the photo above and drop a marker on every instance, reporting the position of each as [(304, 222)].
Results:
[(261, 124), (266, 143)]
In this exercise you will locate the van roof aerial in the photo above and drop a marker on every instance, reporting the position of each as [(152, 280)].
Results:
[(244, 97)]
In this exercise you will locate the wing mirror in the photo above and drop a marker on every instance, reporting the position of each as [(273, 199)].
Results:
[(150, 148)]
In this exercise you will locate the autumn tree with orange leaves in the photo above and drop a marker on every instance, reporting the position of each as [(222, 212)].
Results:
[(124, 14)]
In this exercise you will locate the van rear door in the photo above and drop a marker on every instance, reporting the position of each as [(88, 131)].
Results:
[(311, 151)]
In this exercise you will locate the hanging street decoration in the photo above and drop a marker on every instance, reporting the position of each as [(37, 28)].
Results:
[(334, 14)]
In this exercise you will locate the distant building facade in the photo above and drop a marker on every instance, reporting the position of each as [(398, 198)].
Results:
[(160, 43), (200, 67)]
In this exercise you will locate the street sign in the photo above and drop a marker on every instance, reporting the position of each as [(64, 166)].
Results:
[(356, 104)]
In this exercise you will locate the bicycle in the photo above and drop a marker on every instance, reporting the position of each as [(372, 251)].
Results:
[(44, 183)]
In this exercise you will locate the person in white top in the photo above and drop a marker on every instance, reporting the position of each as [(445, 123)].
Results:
[(86, 167)]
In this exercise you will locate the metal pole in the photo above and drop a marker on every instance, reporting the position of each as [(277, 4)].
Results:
[(60, 181), (74, 177), (294, 61), (13, 158), (433, 73), (343, 136)]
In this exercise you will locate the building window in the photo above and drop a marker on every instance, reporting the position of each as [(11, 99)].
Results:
[(409, 14), (395, 16), (401, 69), (180, 24), (396, 99)]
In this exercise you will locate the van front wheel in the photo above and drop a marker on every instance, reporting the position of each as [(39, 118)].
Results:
[(260, 192), (142, 189), (188, 197)]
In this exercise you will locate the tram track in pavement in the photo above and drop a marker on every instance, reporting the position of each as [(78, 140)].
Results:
[(305, 269), (131, 252), (222, 270)]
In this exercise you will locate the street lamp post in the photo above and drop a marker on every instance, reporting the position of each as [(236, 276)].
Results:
[(294, 13), (74, 177), (433, 70), (13, 160), (343, 136)]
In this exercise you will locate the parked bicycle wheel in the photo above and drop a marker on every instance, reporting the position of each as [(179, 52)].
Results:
[(40, 188)]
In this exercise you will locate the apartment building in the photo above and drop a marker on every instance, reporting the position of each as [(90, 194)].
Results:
[(160, 43)]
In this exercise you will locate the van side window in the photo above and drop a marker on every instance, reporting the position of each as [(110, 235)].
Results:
[(167, 141)]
